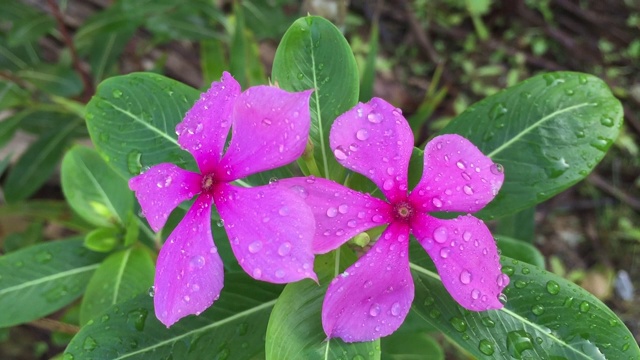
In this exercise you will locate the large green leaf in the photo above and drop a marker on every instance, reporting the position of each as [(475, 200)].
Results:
[(93, 189), (313, 54), (57, 79), (411, 346), (295, 328), (545, 317), (38, 163), (233, 327), (548, 132), (43, 278), (122, 276), (132, 120)]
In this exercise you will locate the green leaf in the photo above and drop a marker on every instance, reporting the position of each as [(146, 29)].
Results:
[(11, 95), (369, 72), (93, 189), (105, 50), (102, 239), (520, 225), (212, 60), (30, 28), (238, 52), (233, 327), (520, 250), (121, 277), (41, 279), (37, 164), (295, 328), (411, 346), (313, 54), (56, 211), (9, 126), (548, 132), (545, 317), (132, 120), (56, 79)]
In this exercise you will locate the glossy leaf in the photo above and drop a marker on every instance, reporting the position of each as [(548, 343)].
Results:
[(121, 277), (232, 328), (313, 54), (548, 132), (132, 120), (43, 278), (295, 328), (93, 189), (545, 317), (37, 164), (411, 346)]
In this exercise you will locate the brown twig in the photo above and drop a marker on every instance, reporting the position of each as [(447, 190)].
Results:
[(84, 75), (55, 325), (619, 194)]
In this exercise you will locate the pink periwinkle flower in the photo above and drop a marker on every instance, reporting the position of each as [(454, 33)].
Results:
[(372, 297), (270, 227)]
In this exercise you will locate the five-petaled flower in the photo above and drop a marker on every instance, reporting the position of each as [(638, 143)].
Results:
[(270, 228), (372, 297)]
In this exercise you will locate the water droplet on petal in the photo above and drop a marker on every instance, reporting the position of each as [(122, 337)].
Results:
[(362, 134), (465, 277), (367, 284), (284, 211), (388, 184), (255, 246), (395, 309), (266, 122), (342, 209), (466, 236), (257, 273), (440, 234), (197, 262), (186, 298), (496, 169), (339, 153), (467, 190), (436, 202), (444, 253), (475, 294), (284, 249), (374, 310), (352, 223), (460, 165), (300, 191), (332, 212), (374, 118), (280, 273)]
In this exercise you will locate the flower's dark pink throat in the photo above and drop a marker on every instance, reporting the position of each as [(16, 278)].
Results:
[(403, 211), (207, 183)]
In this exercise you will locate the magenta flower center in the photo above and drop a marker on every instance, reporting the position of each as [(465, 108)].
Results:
[(403, 211), (207, 182)]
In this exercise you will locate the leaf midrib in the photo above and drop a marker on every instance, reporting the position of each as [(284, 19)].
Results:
[(48, 278), (204, 328), (507, 311), (535, 125), (107, 200)]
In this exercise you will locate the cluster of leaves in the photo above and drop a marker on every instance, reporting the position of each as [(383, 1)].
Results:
[(548, 132)]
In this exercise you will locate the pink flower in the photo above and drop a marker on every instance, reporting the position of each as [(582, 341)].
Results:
[(372, 297), (270, 228)]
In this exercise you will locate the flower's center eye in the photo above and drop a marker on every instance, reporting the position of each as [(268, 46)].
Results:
[(403, 211), (207, 182)]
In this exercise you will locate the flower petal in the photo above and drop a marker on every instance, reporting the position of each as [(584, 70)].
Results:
[(456, 176), (372, 298), (161, 188), (270, 229), (270, 129), (375, 140), (189, 271), (205, 127), (466, 257), (340, 213)]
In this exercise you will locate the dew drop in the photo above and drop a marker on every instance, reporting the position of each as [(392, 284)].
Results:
[(352, 223), (300, 191), (440, 234), (486, 347), (436, 202), (460, 165), (257, 273), (367, 284), (475, 294), (465, 277), (374, 118), (502, 298), (458, 324), (332, 212), (280, 273), (444, 253), (537, 309), (467, 190), (377, 218), (152, 291), (388, 184), (395, 309), (197, 262), (496, 169), (116, 93), (374, 310), (266, 122), (255, 246), (466, 236), (284, 211), (584, 307), (284, 249), (342, 209), (553, 287), (186, 298), (362, 134), (339, 153)]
